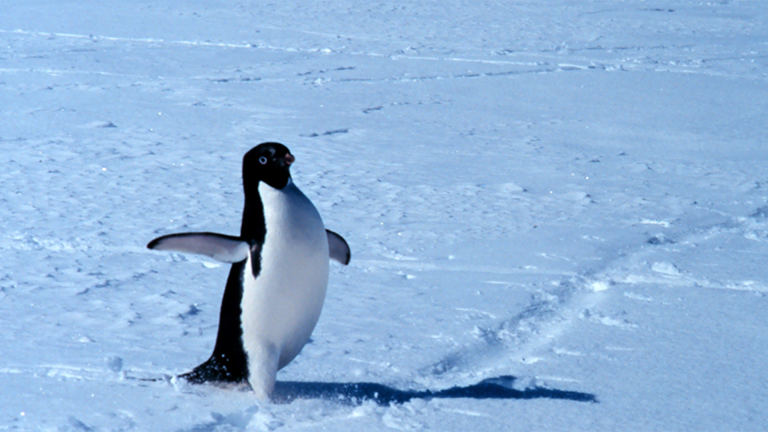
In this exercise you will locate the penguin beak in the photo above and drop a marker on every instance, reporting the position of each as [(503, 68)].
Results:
[(289, 159)]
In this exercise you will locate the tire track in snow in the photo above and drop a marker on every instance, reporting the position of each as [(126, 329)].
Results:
[(543, 61), (152, 41), (529, 336)]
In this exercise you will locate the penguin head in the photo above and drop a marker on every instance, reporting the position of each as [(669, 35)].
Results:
[(268, 162)]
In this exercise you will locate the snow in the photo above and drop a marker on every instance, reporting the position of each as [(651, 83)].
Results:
[(556, 209)]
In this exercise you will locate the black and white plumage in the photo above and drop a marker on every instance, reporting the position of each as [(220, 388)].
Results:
[(277, 284)]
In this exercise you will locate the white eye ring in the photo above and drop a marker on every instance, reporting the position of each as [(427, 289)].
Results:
[(263, 160)]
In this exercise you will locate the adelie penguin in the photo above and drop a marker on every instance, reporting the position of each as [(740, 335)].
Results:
[(277, 284)]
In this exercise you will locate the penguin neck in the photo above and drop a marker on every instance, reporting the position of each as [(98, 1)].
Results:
[(254, 227)]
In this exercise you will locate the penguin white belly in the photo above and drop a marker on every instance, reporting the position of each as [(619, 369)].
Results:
[(282, 304)]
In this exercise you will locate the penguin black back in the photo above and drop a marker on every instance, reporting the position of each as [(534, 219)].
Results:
[(268, 162)]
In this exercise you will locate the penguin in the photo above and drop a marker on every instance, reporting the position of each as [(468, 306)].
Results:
[(279, 275)]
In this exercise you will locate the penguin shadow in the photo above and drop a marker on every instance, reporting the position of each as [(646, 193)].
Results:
[(358, 393)]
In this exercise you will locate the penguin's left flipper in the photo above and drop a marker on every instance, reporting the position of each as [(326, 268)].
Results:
[(220, 247), (338, 249)]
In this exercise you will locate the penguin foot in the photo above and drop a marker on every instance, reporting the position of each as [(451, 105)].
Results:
[(213, 371)]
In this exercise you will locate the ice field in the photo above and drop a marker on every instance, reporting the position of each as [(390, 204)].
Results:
[(557, 210)]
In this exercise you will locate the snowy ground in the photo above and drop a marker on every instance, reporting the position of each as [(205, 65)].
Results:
[(569, 193)]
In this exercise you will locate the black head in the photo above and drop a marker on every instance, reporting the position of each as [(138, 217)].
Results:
[(268, 162)]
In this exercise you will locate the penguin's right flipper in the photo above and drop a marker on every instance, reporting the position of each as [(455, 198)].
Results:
[(220, 247), (338, 249)]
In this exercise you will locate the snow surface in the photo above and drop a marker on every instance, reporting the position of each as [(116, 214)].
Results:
[(569, 193)]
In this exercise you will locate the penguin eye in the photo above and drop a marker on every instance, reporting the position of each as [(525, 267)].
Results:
[(263, 160)]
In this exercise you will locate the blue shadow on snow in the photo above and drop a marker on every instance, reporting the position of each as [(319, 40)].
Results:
[(357, 393)]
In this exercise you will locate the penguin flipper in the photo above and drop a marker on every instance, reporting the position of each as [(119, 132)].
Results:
[(338, 249), (220, 247)]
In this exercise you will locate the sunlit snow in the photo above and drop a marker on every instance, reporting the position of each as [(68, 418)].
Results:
[(557, 211)]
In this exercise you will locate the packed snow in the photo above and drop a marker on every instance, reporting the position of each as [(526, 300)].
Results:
[(557, 211)]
